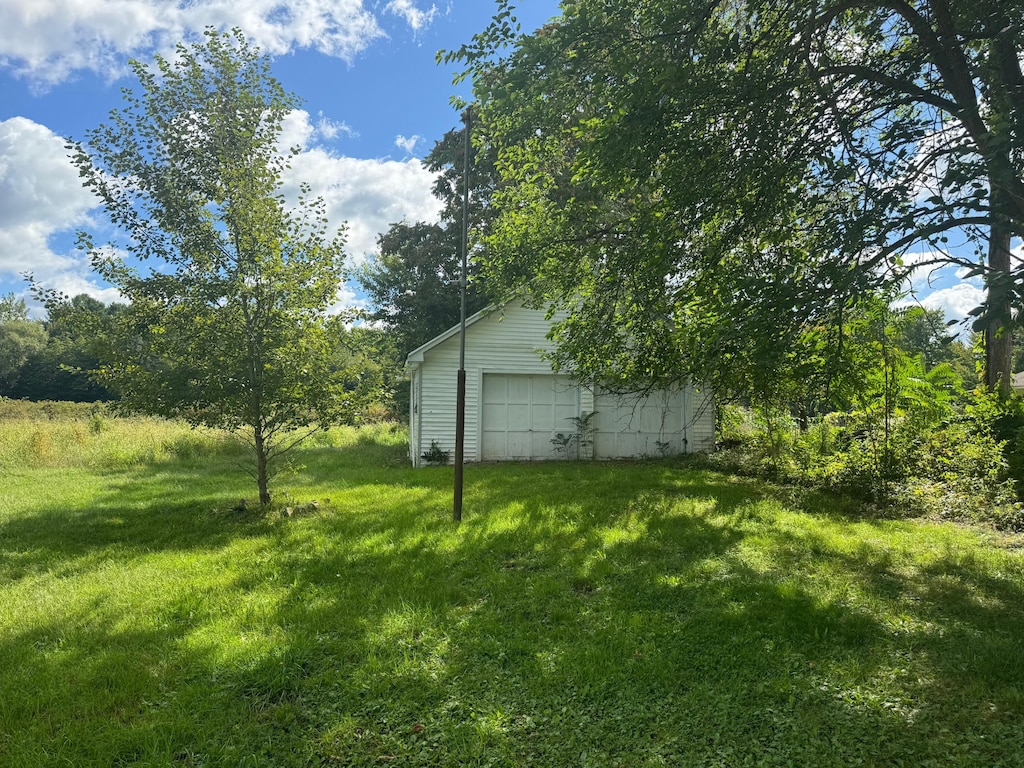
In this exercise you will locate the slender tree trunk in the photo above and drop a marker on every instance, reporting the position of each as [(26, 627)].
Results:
[(999, 334), (261, 465)]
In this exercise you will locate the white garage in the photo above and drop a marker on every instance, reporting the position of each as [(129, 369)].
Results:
[(516, 405)]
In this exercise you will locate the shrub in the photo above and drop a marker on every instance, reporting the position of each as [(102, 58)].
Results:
[(736, 426), (955, 469), (50, 410), (435, 454)]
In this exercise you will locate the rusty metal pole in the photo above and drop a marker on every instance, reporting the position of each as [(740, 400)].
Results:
[(460, 396)]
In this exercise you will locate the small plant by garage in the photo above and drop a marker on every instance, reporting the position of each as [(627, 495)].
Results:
[(435, 454), (576, 444)]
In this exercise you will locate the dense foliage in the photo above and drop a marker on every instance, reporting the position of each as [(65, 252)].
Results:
[(73, 334), (413, 280), (911, 437), (703, 184), (20, 339)]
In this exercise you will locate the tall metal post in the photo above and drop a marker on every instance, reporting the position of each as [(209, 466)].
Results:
[(460, 396)]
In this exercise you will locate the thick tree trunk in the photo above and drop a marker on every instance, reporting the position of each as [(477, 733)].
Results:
[(261, 466), (999, 334)]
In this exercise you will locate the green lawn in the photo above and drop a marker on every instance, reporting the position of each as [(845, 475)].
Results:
[(639, 614)]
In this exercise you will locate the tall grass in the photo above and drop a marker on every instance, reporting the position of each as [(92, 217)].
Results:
[(56, 435), (103, 442)]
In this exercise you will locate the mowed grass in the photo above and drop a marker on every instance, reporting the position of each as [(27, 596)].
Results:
[(613, 614)]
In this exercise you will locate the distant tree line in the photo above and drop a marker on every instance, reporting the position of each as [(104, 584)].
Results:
[(50, 359)]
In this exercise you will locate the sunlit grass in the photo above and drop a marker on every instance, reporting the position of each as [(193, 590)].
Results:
[(582, 614)]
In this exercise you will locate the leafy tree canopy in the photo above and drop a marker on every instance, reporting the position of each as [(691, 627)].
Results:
[(20, 338), (413, 281), (701, 183), (77, 329)]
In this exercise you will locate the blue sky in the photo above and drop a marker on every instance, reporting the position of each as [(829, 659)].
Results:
[(374, 103)]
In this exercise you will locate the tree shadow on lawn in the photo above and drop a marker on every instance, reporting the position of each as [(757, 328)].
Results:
[(518, 642), (157, 507), (607, 611), (170, 505), (961, 611), (672, 632)]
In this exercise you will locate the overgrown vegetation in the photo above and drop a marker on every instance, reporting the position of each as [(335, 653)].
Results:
[(960, 462), (60, 435), (577, 443), (899, 422), (606, 614), (435, 454), (839, 147)]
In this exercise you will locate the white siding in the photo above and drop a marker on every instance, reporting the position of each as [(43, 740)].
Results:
[(701, 436), (414, 416), (504, 341), (510, 341)]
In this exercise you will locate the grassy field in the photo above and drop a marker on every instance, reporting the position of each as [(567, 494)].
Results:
[(639, 614)]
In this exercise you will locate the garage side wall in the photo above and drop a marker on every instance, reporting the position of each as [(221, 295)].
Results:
[(702, 412), (502, 342)]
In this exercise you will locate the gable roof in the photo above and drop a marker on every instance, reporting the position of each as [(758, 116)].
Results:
[(416, 356)]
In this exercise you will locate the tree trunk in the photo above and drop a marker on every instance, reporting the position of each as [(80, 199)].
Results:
[(261, 465), (999, 333)]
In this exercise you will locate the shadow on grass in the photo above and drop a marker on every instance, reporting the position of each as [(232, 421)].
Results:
[(166, 505), (581, 614)]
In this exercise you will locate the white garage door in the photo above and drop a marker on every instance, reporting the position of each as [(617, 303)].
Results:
[(521, 414), (627, 426)]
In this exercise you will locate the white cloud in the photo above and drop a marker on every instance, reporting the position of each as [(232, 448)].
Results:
[(924, 269), (413, 16), (41, 198), (346, 299), (41, 195), (407, 143), (955, 301), (367, 194), (296, 131), (330, 129), (45, 41)]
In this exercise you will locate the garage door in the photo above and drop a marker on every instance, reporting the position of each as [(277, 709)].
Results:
[(628, 426), (522, 413)]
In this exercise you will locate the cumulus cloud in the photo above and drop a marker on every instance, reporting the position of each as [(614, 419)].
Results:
[(414, 17), (924, 269), (45, 41), (299, 130), (956, 301), (41, 195), (369, 195), (330, 129), (929, 277)]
